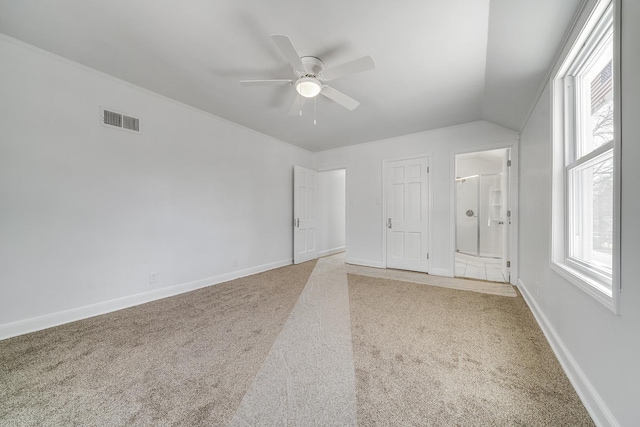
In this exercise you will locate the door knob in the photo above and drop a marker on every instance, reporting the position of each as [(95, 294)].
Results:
[(388, 222)]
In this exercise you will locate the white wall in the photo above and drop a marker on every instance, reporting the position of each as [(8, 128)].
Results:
[(364, 186), (472, 165), (600, 350), (87, 212), (331, 211)]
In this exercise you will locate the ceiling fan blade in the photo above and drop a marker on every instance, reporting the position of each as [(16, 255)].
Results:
[(296, 107), (356, 66), (279, 82), (290, 53), (339, 97)]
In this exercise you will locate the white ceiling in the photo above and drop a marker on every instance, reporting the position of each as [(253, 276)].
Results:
[(438, 63)]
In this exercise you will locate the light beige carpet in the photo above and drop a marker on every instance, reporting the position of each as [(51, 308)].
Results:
[(294, 347), (430, 356), (308, 377), (186, 360)]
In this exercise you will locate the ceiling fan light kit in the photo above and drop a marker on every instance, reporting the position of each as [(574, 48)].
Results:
[(311, 75), (308, 87)]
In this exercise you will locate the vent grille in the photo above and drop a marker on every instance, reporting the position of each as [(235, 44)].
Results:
[(113, 119), (121, 121), (131, 123)]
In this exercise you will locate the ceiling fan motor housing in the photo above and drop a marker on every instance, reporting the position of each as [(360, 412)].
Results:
[(313, 65), (308, 85)]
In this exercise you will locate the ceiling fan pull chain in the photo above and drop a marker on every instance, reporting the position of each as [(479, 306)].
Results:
[(314, 109)]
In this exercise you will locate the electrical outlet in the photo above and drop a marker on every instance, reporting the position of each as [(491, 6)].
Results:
[(153, 277)]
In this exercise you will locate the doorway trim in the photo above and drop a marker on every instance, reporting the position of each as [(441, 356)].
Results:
[(513, 144), (346, 202), (383, 211)]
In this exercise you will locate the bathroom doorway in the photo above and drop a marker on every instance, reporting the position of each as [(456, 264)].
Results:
[(482, 215)]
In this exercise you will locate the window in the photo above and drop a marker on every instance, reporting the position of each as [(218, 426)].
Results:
[(585, 159)]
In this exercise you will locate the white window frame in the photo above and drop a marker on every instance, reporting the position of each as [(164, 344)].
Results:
[(584, 42)]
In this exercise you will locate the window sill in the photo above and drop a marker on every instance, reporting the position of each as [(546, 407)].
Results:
[(586, 284)]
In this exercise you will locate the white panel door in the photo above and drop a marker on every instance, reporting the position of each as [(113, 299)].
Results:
[(407, 207), (305, 227)]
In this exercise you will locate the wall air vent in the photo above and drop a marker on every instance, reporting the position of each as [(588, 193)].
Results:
[(118, 120)]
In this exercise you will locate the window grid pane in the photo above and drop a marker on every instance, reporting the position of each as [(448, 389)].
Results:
[(596, 101), (591, 213)]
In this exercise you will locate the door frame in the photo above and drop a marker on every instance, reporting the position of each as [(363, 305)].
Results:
[(513, 144), (383, 223), (346, 203)]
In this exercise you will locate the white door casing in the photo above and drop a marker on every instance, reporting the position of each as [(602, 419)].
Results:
[(305, 227), (506, 203), (407, 214)]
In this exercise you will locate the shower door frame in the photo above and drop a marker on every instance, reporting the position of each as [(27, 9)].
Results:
[(476, 216), (510, 253), (479, 215)]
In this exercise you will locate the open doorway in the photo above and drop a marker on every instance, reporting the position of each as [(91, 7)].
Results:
[(482, 215), (331, 212)]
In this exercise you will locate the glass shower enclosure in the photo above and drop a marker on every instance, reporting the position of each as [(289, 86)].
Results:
[(480, 215)]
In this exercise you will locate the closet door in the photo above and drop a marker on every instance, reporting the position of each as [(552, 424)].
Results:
[(407, 219)]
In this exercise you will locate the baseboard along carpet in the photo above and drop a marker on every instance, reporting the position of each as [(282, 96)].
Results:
[(311, 344)]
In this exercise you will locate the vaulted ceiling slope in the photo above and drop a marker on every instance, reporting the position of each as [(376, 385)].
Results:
[(438, 63)]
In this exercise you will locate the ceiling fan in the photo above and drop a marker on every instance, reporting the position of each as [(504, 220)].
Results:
[(311, 76)]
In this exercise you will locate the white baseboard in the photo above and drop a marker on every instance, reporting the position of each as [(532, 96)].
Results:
[(331, 251), (33, 324), (444, 272), (364, 262), (591, 400)]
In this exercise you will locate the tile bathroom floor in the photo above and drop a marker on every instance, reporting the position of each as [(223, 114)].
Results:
[(471, 267)]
